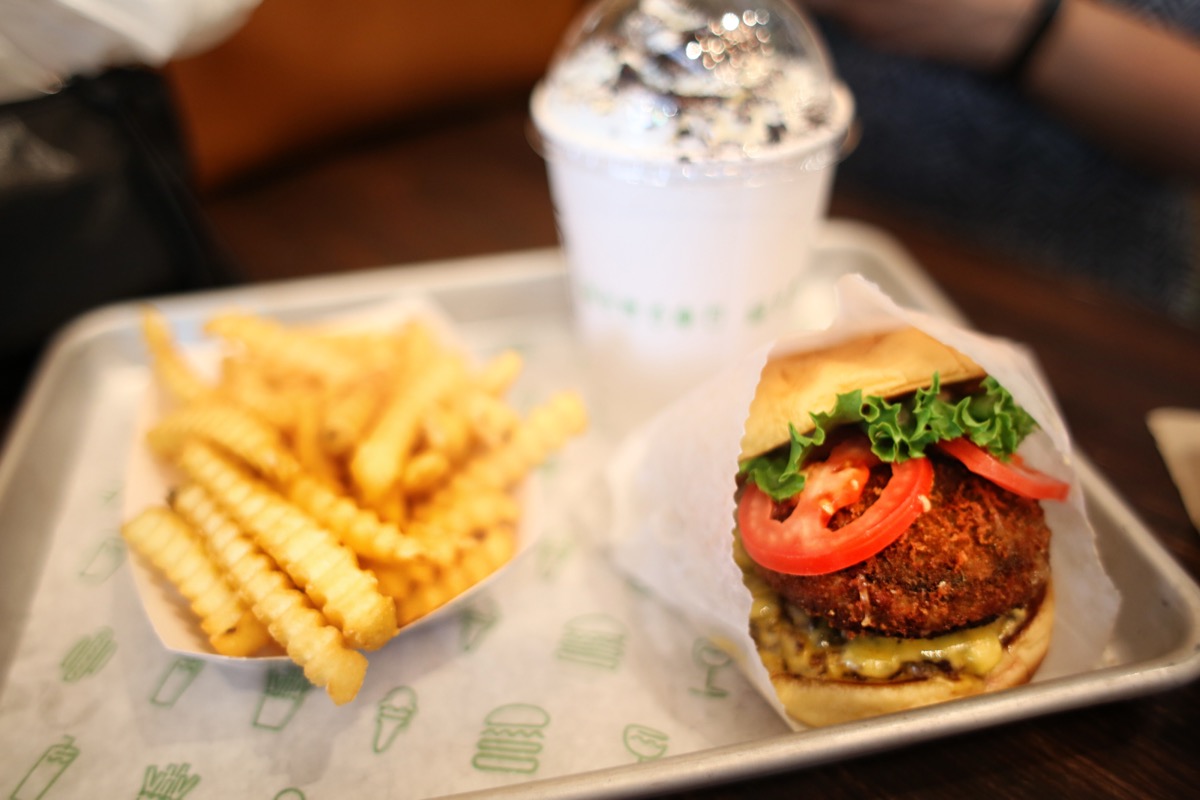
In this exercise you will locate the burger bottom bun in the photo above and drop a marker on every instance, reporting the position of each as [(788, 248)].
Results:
[(817, 702)]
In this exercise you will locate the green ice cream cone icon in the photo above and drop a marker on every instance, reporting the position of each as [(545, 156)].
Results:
[(476, 620), (392, 715), (46, 771)]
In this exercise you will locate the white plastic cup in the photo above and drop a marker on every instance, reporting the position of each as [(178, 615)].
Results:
[(677, 268)]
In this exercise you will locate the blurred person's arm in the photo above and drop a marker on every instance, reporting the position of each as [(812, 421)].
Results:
[(1130, 84)]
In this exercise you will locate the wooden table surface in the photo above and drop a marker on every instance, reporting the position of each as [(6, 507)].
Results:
[(471, 185)]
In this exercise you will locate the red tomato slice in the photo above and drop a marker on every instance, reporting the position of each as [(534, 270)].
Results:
[(803, 544), (1011, 475)]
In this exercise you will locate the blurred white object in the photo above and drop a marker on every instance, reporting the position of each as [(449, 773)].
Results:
[(1177, 432), (45, 42)]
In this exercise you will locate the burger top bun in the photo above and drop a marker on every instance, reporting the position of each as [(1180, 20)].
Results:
[(885, 365)]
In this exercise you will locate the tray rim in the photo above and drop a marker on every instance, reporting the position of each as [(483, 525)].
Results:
[(775, 753)]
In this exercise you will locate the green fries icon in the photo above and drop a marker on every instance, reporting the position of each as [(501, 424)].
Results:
[(172, 783)]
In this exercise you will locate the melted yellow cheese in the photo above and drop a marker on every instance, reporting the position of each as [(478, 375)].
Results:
[(974, 650), (790, 641)]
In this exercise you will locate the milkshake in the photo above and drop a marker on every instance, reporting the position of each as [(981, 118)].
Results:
[(690, 147)]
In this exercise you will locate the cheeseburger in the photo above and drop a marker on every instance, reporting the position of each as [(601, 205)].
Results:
[(892, 539)]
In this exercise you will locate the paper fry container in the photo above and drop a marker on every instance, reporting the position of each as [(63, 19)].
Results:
[(147, 482), (673, 483)]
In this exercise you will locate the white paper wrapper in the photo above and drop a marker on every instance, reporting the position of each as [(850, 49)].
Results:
[(672, 486)]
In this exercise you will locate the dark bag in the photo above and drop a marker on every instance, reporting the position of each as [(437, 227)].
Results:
[(96, 206)]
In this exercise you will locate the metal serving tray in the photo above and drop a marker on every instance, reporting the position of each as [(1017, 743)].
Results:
[(1157, 639)]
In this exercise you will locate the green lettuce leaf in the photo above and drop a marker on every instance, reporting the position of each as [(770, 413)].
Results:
[(900, 430)]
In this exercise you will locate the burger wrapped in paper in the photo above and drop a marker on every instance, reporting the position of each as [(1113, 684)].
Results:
[(872, 517), (892, 539)]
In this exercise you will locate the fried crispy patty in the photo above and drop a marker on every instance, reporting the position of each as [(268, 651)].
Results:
[(978, 552)]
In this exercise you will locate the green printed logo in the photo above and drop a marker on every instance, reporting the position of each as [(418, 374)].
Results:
[(654, 312), (176, 680), (645, 743), (88, 656), (596, 640), (285, 690), (549, 466), (109, 497), (103, 560), (46, 770), (551, 554), (712, 660), (172, 783), (780, 301), (289, 794), (511, 740), (475, 620), (392, 715)]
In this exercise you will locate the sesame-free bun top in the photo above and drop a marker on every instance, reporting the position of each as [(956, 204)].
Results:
[(885, 365)]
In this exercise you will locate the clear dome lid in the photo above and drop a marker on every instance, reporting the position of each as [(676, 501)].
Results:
[(689, 80)]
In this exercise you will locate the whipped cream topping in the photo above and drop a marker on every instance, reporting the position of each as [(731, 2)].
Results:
[(664, 80)]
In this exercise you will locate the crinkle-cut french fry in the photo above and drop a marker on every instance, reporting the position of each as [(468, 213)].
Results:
[(378, 461), (349, 412), (243, 383), (476, 413), (424, 471), (306, 441), (545, 430), (491, 420), (444, 534), (171, 546), (500, 372), (172, 371), (445, 429), (392, 507), (234, 430), (358, 528), (318, 647), (440, 522), (477, 557), (370, 350), (286, 349), (311, 555)]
